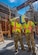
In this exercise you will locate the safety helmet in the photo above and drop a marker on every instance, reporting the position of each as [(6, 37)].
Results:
[(26, 17)]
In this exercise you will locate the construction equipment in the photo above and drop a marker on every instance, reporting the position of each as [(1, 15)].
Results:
[(26, 3)]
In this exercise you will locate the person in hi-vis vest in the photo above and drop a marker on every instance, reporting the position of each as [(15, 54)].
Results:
[(29, 34), (17, 29)]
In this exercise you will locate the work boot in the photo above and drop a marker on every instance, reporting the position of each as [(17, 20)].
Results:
[(33, 51), (16, 51), (29, 50)]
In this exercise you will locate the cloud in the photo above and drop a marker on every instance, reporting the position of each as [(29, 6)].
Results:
[(12, 1), (35, 3)]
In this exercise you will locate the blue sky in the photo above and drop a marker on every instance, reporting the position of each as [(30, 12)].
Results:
[(13, 3)]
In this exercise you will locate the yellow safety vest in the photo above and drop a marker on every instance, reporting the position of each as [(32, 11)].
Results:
[(16, 27), (28, 26)]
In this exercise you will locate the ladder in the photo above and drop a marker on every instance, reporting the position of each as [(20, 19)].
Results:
[(1, 34)]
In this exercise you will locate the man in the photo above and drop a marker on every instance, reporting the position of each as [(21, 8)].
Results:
[(17, 29), (28, 30)]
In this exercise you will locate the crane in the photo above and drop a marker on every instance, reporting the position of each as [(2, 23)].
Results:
[(25, 4)]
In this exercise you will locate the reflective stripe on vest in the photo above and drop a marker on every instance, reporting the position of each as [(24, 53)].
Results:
[(29, 28), (14, 28)]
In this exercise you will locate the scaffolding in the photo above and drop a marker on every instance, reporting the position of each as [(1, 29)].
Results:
[(1, 34)]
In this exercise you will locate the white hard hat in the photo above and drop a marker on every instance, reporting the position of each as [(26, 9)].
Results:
[(17, 17), (26, 17), (14, 18)]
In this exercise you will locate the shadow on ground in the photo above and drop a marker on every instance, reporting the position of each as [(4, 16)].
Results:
[(11, 52), (8, 45)]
